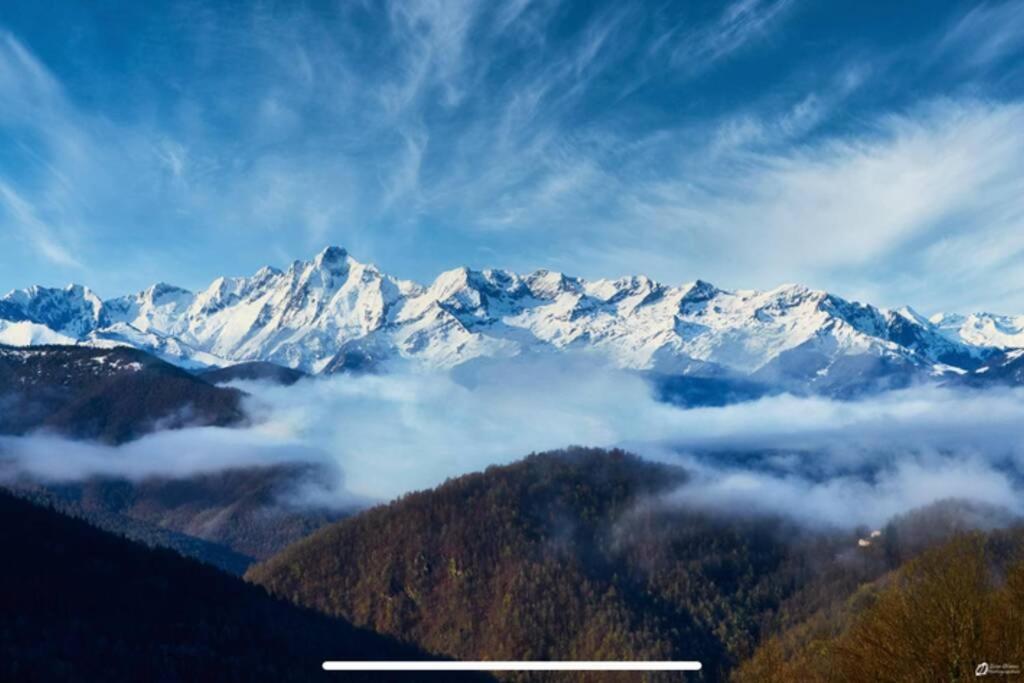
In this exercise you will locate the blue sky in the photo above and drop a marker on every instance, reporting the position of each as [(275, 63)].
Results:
[(872, 148)]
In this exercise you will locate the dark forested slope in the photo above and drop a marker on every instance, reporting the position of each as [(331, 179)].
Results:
[(137, 530), (587, 554), (246, 509), (253, 371), (77, 603), (112, 395), (936, 617), (561, 555)]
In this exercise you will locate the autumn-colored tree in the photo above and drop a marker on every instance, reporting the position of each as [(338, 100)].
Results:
[(935, 619)]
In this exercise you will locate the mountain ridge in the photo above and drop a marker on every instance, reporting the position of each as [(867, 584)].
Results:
[(108, 395), (336, 312)]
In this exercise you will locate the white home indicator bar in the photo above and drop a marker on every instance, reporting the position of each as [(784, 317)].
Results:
[(511, 666)]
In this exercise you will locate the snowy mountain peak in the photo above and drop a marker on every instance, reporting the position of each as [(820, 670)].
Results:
[(72, 311), (333, 312), (700, 290), (334, 260), (450, 281), (331, 253), (266, 272), (912, 315), (548, 284), (982, 329), (162, 291)]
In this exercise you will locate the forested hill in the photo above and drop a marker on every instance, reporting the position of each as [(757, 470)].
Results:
[(558, 556), (80, 604), (937, 617), (111, 395), (578, 554), (253, 371)]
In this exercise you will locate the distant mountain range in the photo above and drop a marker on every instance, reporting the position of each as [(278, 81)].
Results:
[(334, 313)]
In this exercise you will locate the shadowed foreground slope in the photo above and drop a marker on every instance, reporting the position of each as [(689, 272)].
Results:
[(245, 509), (77, 603)]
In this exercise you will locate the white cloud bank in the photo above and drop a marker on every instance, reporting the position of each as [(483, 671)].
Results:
[(815, 458)]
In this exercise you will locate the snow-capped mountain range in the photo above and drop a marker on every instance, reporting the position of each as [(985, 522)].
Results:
[(335, 313)]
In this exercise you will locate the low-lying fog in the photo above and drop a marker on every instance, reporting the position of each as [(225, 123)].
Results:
[(842, 462)]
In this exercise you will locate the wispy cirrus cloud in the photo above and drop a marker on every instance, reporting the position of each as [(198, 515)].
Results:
[(898, 206), (31, 98), (22, 216), (845, 202), (435, 34), (538, 133), (21, 74), (740, 21), (986, 34)]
